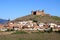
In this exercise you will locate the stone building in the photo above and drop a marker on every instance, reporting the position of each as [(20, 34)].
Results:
[(38, 12)]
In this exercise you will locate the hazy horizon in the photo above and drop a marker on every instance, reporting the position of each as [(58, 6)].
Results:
[(11, 9)]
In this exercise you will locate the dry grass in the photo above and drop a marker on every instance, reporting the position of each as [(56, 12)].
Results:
[(32, 36)]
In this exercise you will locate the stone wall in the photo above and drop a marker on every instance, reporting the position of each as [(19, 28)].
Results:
[(38, 12)]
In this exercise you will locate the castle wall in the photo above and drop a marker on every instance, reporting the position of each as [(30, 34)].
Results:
[(38, 12)]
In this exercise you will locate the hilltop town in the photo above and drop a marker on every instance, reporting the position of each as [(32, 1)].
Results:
[(31, 24), (29, 19)]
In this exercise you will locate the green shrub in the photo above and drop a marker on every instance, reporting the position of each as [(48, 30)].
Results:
[(10, 30)]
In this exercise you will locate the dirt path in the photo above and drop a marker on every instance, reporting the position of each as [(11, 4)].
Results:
[(5, 33)]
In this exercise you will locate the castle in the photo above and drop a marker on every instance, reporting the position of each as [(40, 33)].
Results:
[(38, 12)]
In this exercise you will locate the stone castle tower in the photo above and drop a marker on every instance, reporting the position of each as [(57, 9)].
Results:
[(38, 12)]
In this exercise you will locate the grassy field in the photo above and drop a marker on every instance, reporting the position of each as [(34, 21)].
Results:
[(31, 36)]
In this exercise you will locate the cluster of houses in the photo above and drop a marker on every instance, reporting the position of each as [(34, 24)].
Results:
[(29, 25)]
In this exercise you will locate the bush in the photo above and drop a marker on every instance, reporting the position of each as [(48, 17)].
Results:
[(10, 29), (57, 31)]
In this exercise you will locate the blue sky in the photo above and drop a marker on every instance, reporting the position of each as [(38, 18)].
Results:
[(11, 9)]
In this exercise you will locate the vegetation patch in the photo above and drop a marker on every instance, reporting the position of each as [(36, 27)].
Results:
[(9, 30), (20, 32)]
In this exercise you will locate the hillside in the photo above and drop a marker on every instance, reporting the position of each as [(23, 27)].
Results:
[(3, 21), (39, 18)]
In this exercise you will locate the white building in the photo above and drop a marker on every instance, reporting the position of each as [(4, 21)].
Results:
[(52, 25), (41, 24)]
